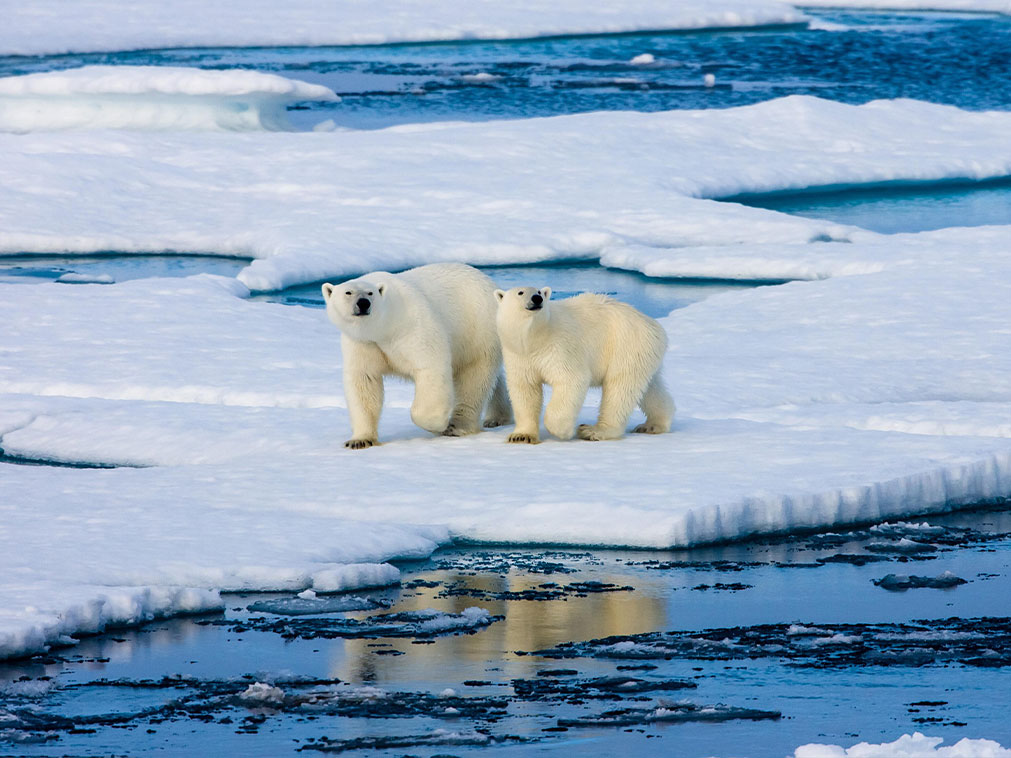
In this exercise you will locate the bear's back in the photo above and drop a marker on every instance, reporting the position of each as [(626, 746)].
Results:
[(614, 320), (462, 300)]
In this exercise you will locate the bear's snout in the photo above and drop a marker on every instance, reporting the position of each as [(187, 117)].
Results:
[(535, 302), (362, 306)]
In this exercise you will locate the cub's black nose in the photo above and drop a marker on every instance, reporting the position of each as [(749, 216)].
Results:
[(537, 300), (363, 306)]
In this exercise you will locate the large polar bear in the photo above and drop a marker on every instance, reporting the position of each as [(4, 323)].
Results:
[(434, 325), (573, 344)]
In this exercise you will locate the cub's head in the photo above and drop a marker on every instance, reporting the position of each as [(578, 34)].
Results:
[(356, 306), (523, 302)]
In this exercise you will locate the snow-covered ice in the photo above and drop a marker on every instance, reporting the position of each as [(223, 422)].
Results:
[(151, 97), (873, 391), (332, 204), (916, 745), (52, 26)]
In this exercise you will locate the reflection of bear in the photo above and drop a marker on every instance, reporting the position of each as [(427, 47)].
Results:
[(584, 341), (434, 325)]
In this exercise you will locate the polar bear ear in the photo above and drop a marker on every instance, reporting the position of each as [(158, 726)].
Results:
[(500, 294), (327, 291), (546, 293), (381, 289)]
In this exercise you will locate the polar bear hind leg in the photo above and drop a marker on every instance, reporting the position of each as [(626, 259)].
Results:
[(471, 386), (499, 411), (658, 406), (621, 393)]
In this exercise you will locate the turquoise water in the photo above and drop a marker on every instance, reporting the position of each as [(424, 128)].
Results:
[(655, 297), (892, 210)]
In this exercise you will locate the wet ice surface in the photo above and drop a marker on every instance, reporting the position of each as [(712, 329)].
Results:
[(745, 649), (114, 267), (960, 59)]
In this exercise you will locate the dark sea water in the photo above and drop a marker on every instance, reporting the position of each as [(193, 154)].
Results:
[(958, 59)]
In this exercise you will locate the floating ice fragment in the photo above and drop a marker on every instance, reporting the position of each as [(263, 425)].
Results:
[(261, 692), (900, 582), (310, 606), (307, 595), (709, 80), (482, 77), (643, 60), (915, 745), (151, 98), (72, 277)]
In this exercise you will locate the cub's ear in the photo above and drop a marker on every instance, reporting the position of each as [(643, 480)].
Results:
[(327, 291), (500, 294), (546, 293), (382, 289)]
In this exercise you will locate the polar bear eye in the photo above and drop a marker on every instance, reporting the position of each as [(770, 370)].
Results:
[(520, 292), (348, 292), (370, 294)]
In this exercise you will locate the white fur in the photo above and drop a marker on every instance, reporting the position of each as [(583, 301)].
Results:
[(572, 345), (434, 325)]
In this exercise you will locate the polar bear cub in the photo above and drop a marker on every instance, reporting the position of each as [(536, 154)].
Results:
[(434, 325), (574, 344)]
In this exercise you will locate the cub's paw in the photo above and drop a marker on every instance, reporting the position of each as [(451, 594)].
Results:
[(649, 429), (491, 422), (360, 444), (530, 439)]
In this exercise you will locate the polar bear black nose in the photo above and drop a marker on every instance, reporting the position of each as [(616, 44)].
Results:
[(537, 300), (363, 306)]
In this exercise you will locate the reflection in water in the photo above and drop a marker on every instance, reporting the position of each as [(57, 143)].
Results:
[(528, 624)]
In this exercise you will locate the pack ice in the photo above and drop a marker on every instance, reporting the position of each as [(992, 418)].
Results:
[(875, 386)]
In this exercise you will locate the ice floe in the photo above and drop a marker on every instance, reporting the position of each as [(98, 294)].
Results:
[(151, 98), (323, 205), (914, 745)]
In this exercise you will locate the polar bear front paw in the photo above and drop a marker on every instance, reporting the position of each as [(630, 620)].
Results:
[(530, 439), (360, 444), (594, 433)]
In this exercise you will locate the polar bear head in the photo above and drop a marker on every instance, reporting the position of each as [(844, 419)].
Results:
[(523, 301), (357, 307)]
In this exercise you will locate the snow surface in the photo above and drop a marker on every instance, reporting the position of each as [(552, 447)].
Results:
[(151, 97), (874, 391), (55, 26), (334, 204), (914, 745)]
